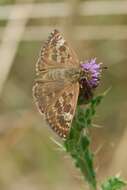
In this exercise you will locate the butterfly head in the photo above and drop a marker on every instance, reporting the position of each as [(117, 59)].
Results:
[(91, 73)]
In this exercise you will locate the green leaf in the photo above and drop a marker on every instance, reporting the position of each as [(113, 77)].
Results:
[(84, 143), (78, 141), (113, 183)]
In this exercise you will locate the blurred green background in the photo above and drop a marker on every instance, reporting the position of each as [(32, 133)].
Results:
[(29, 159)]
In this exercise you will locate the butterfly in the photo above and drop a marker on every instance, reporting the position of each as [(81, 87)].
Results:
[(56, 87)]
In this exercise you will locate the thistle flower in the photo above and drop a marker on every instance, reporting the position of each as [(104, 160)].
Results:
[(92, 73), (90, 80)]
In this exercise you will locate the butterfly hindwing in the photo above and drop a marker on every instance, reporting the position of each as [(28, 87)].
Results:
[(45, 93), (58, 105), (60, 114)]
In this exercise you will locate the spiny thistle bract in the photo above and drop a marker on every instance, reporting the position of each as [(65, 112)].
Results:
[(78, 146), (78, 142)]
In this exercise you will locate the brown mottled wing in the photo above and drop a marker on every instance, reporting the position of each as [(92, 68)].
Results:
[(58, 103), (56, 99), (45, 93), (57, 53), (60, 114)]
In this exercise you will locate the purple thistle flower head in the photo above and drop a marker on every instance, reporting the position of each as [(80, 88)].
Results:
[(92, 73)]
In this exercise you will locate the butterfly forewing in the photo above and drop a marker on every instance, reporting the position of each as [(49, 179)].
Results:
[(57, 53), (56, 99)]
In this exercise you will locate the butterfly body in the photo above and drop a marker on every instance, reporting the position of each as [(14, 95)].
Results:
[(60, 74)]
